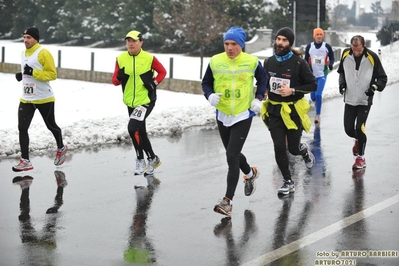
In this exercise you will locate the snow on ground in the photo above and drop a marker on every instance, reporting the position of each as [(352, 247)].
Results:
[(93, 114)]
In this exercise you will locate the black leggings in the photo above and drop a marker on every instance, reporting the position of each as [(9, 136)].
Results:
[(282, 138), (233, 139), (25, 116), (138, 133), (355, 118)]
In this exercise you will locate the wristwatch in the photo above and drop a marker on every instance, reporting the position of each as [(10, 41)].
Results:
[(293, 91)]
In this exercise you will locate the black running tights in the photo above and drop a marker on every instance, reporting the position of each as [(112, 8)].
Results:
[(355, 118), (138, 133), (284, 138), (25, 116), (233, 139)]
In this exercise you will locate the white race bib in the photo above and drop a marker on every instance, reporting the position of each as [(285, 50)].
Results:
[(29, 89), (318, 60), (276, 83), (138, 113)]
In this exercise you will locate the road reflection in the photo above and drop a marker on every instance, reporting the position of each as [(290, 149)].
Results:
[(354, 236), (140, 248), (319, 168), (39, 246), (289, 227), (234, 251)]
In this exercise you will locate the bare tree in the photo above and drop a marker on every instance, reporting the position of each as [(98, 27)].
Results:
[(195, 23), (339, 10), (205, 22), (377, 8)]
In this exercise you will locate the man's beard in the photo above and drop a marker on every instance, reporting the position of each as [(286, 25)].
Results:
[(279, 51)]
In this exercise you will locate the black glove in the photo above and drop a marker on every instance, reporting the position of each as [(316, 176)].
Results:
[(330, 67), (342, 89), (18, 76), (152, 90), (122, 76), (28, 70), (370, 91), (149, 84)]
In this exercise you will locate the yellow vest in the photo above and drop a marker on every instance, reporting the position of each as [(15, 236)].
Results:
[(234, 79), (301, 106), (134, 93)]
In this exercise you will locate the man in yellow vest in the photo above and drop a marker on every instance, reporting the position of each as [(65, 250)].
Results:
[(228, 84), (134, 70)]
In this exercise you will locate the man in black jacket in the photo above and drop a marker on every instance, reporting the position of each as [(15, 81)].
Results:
[(285, 110)]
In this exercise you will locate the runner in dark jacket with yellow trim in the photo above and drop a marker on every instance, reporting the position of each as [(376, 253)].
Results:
[(285, 112)]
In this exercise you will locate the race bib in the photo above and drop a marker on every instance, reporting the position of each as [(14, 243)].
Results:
[(138, 113), (29, 89), (276, 83), (318, 60)]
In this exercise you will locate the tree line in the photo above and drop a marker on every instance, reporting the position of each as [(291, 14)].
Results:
[(176, 26)]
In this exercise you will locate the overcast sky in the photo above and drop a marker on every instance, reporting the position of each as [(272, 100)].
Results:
[(385, 4)]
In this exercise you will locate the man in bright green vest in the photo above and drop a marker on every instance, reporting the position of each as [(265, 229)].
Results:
[(228, 85)]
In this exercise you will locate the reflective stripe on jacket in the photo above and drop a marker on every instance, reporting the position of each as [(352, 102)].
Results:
[(234, 79)]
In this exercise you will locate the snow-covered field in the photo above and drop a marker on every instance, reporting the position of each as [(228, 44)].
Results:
[(93, 114)]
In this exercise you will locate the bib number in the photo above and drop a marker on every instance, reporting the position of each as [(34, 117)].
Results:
[(275, 84), (29, 89), (138, 113), (318, 60)]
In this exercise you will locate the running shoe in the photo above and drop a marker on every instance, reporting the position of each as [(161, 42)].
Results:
[(287, 187), (140, 167), (360, 163), (250, 187), (23, 165), (308, 157), (224, 207), (152, 165), (155, 162), (60, 155)]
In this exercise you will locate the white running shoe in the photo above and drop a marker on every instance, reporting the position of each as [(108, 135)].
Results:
[(140, 167)]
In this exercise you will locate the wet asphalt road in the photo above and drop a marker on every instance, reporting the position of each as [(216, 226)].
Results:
[(108, 216)]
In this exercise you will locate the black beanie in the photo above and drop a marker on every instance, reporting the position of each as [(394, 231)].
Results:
[(34, 32), (287, 33)]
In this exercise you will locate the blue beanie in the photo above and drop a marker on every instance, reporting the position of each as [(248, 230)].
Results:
[(236, 34)]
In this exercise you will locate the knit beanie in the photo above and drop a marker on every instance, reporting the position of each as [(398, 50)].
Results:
[(287, 33), (318, 31), (236, 34), (34, 32)]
